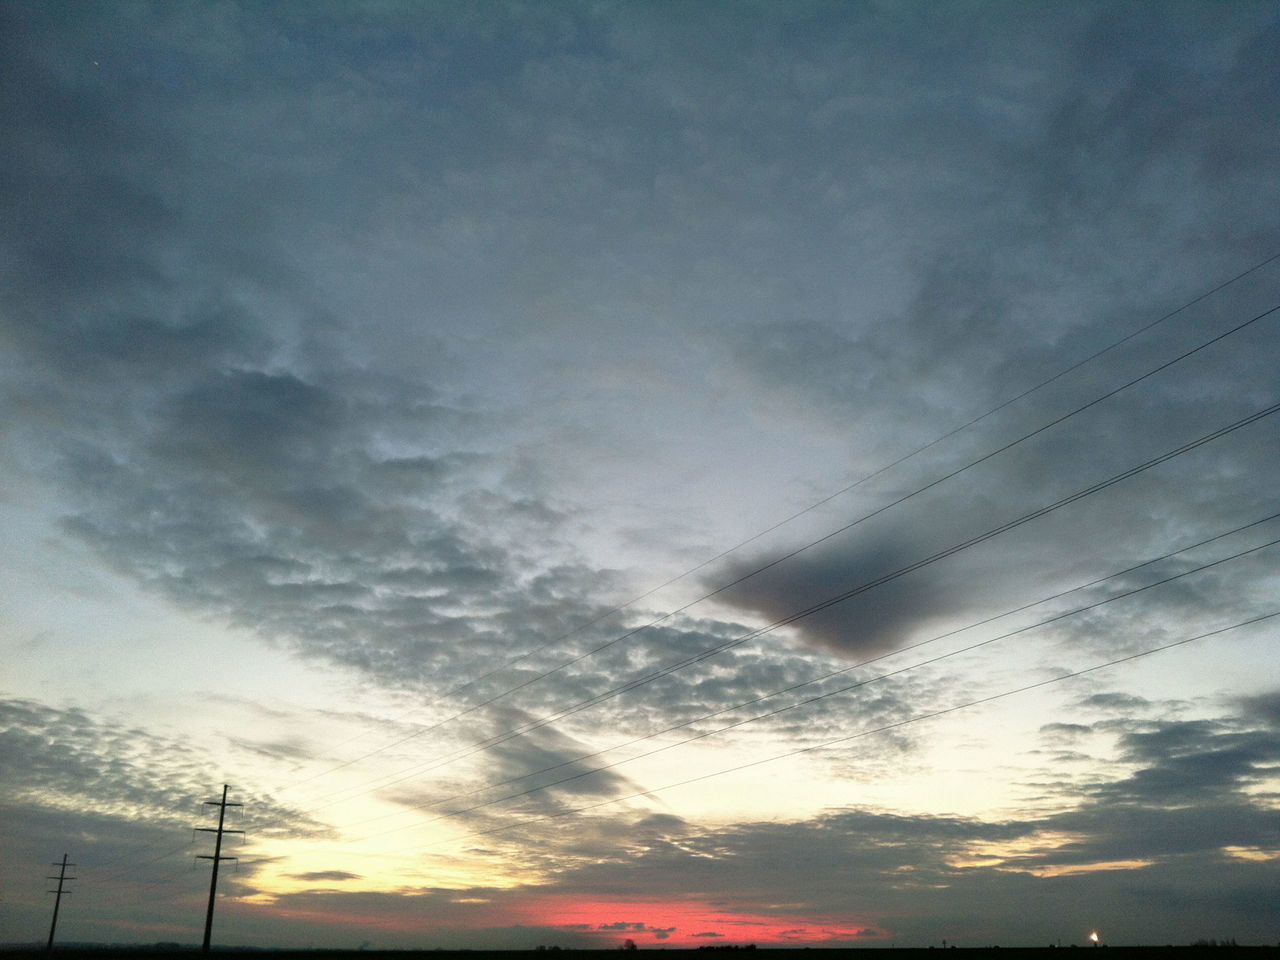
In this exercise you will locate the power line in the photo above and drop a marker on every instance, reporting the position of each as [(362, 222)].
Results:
[(1191, 445), (781, 559), (144, 863), (827, 676), (818, 697), (712, 651), (826, 744), (878, 472), (832, 674)]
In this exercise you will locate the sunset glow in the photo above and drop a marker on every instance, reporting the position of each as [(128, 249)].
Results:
[(689, 923)]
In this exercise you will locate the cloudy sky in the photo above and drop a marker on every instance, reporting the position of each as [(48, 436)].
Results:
[(789, 473)]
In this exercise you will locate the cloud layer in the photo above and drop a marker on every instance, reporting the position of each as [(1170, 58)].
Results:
[(438, 350)]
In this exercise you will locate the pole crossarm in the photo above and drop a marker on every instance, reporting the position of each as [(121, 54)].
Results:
[(216, 857), (61, 878)]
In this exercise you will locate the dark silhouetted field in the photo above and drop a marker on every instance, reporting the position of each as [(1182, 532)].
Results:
[(868, 953)]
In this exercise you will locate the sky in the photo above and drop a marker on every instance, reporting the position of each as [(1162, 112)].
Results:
[(800, 474)]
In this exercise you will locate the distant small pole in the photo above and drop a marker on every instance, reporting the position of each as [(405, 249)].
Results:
[(61, 877), (216, 858)]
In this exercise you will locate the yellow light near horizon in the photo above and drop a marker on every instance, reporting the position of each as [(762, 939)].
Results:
[(1074, 869), (1261, 854)]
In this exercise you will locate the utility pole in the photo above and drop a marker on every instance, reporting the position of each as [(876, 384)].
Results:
[(217, 856), (61, 877)]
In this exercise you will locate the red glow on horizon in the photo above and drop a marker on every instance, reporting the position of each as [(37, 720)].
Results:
[(687, 923), (565, 920)]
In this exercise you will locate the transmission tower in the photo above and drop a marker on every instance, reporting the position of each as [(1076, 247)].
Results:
[(217, 856), (57, 901)]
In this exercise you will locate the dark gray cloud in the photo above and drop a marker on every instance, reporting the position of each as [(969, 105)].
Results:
[(334, 876), (125, 803), (217, 448), (888, 862), (1263, 709), (254, 464), (886, 858), (68, 758), (1115, 702), (541, 772), (988, 319), (1182, 762), (125, 883), (873, 623), (523, 760)]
